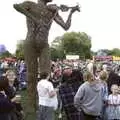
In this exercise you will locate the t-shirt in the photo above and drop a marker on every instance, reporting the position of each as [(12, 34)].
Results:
[(90, 67), (44, 87)]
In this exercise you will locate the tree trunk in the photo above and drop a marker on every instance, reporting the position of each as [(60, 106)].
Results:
[(32, 68), (44, 60)]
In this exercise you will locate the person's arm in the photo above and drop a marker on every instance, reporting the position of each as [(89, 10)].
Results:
[(79, 97), (105, 93), (51, 91), (52, 94), (65, 25)]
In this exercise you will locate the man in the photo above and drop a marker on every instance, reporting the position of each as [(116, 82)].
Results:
[(47, 98), (90, 66)]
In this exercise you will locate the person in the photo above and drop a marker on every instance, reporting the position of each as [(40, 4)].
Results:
[(47, 98), (11, 92), (119, 90), (113, 78), (113, 109), (88, 99), (6, 105), (67, 92), (22, 75), (90, 66), (12, 79), (104, 91)]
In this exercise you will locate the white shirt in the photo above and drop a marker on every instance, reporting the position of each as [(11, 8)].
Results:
[(114, 99), (75, 64), (113, 111), (105, 67), (90, 67), (44, 87)]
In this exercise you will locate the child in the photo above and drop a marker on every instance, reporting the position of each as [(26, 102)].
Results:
[(113, 109)]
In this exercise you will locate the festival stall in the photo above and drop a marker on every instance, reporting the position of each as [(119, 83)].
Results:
[(114, 59)]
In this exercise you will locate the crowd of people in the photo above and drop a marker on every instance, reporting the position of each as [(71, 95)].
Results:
[(82, 90), (12, 81), (19, 67), (86, 91)]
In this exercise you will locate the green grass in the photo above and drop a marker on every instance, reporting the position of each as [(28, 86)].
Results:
[(29, 116)]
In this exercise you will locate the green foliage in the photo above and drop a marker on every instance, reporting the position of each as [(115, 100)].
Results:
[(55, 53), (72, 43), (6, 54), (20, 50), (115, 52)]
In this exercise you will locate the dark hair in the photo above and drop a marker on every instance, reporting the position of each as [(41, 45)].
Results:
[(3, 83), (77, 76), (65, 78), (44, 75)]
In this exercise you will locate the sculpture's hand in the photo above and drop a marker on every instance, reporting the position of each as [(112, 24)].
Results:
[(64, 8), (76, 8)]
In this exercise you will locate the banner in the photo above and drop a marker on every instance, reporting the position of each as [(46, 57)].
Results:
[(72, 57)]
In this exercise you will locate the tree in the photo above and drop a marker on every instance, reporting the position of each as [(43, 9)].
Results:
[(103, 52), (73, 43), (6, 54), (115, 52), (57, 50), (20, 50)]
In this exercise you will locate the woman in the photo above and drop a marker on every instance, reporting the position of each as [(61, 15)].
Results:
[(6, 105), (11, 92), (88, 99)]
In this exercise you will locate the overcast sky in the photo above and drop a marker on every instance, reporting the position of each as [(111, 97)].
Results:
[(98, 18)]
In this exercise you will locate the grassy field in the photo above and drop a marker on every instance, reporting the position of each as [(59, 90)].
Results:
[(24, 101), (31, 117)]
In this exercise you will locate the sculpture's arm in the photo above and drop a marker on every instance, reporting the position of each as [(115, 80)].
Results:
[(65, 25), (26, 11)]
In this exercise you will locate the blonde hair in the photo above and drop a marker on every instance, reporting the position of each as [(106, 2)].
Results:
[(9, 71), (88, 76), (103, 75)]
